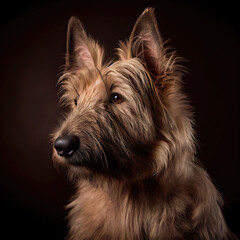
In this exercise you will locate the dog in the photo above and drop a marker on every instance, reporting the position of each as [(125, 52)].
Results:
[(128, 144)]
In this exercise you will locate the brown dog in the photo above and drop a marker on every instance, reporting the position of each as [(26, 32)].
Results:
[(128, 143)]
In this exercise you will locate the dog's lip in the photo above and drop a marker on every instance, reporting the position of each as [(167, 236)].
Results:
[(74, 158), (71, 160)]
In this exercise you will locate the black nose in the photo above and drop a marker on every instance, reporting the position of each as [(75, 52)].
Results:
[(66, 145)]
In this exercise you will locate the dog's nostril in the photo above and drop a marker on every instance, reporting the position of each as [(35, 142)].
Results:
[(59, 151), (65, 146)]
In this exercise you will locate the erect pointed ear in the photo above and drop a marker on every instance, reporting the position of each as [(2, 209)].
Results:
[(81, 50), (146, 42)]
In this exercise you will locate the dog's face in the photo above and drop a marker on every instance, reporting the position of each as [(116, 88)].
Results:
[(117, 111)]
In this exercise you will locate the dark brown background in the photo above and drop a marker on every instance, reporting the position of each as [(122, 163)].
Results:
[(32, 47)]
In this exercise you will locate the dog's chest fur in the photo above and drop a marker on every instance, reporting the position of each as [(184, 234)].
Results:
[(95, 214)]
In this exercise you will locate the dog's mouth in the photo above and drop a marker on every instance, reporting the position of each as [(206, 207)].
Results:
[(76, 157), (76, 160), (73, 150)]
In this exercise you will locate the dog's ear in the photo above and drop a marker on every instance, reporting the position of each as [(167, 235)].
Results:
[(146, 42), (81, 49)]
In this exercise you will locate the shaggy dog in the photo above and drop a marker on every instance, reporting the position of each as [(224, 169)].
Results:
[(128, 143)]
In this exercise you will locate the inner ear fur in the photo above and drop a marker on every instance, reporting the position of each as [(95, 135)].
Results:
[(146, 42), (81, 49)]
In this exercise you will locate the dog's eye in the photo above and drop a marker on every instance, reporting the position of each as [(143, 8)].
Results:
[(75, 101), (116, 98)]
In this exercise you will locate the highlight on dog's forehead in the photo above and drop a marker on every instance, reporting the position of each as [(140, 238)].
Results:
[(80, 84), (130, 72)]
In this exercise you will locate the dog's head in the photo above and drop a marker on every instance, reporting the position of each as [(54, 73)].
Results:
[(124, 116)]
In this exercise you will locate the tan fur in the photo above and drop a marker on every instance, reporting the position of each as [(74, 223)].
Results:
[(135, 170)]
